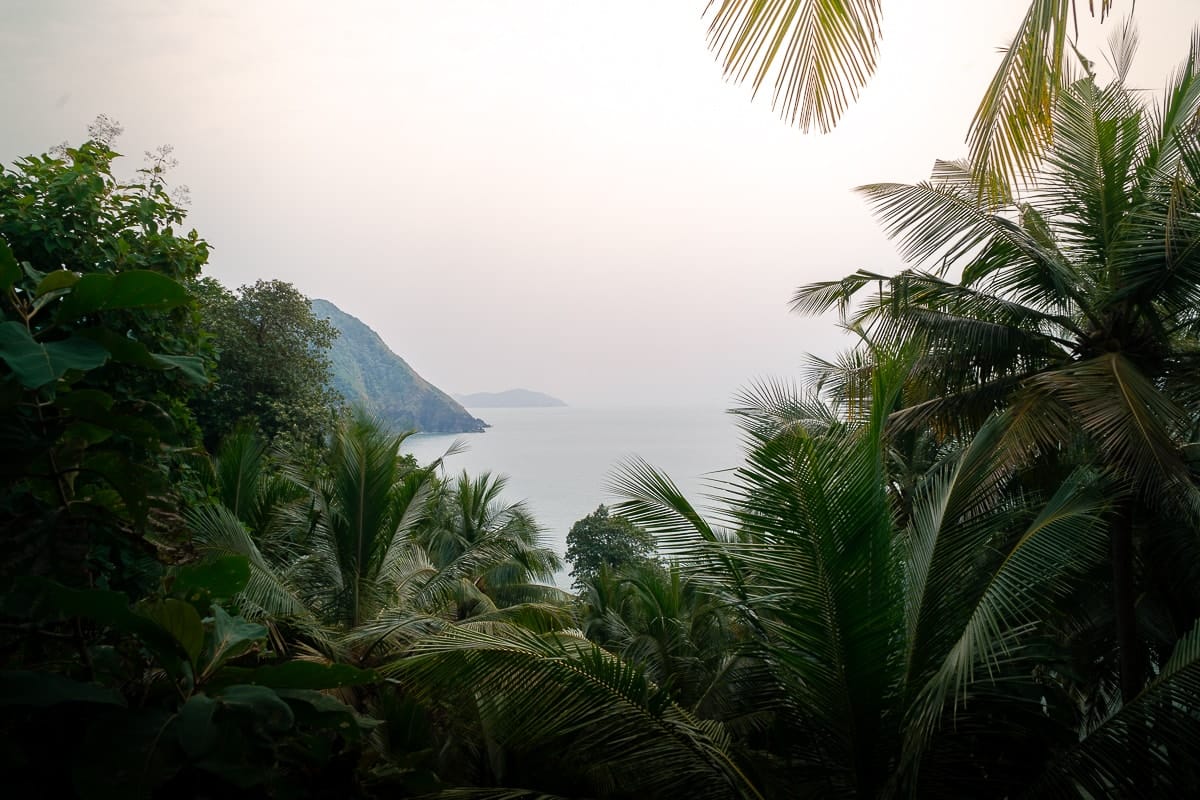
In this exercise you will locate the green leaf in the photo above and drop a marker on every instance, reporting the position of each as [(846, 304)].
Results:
[(47, 299), (26, 358), (93, 410), (122, 348), (44, 689), (55, 281), (140, 288), (130, 480), (314, 707), (191, 367), (231, 637), (36, 365), (41, 599), (136, 288), (88, 295), (262, 701), (131, 351), (35, 275), (87, 433), (196, 730), (304, 675), (44, 600), (124, 756), (222, 578), (181, 621), (10, 270), (75, 353), (89, 404)]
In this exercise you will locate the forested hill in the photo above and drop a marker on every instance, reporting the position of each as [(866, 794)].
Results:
[(367, 372)]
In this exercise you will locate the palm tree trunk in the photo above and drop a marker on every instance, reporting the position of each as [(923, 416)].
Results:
[(1124, 601)]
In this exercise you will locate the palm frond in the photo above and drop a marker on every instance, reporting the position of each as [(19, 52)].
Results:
[(655, 503), (549, 614), (817, 298), (217, 531), (959, 411), (944, 222), (239, 467), (563, 697), (931, 220), (1148, 748), (986, 628), (845, 380), (1088, 175), (402, 556), (1012, 125), (769, 408), (953, 518), (1166, 126), (1031, 270), (1126, 415), (1122, 47), (390, 633), (817, 556), (817, 53)]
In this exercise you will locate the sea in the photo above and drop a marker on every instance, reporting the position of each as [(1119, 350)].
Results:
[(559, 460)]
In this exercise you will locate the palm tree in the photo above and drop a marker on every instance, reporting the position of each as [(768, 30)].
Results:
[(496, 546), (818, 54), (1077, 308), (555, 715), (883, 659), (917, 657), (681, 635), (338, 550), (328, 545)]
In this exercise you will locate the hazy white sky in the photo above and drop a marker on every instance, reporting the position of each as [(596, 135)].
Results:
[(564, 196)]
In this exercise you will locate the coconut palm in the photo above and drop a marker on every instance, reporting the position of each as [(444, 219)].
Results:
[(1077, 309), (657, 618), (889, 659), (252, 497), (919, 657), (554, 715), (328, 545), (495, 546), (818, 54), (335, 553)]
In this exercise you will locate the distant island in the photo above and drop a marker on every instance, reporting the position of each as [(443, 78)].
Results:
[(366, 372), (513, 398)]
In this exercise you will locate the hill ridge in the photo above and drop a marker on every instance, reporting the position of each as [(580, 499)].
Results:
[(369, 373), (510, 398)]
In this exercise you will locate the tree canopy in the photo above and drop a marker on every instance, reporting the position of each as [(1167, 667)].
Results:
[(273, 368), (604, 541), (1076, 309), (963, 560), (100, 348)]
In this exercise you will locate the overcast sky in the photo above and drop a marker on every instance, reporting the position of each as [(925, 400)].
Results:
[(563, 196)]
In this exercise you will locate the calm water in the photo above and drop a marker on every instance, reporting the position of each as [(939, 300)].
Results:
[(559, 460)]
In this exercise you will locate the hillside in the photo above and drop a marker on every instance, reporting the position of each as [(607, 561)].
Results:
[(367, 372), (513, 398)]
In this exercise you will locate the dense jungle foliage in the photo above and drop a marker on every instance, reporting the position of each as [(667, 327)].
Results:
[(964, 561)]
